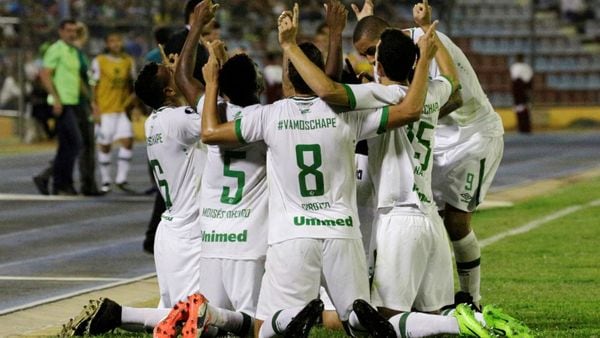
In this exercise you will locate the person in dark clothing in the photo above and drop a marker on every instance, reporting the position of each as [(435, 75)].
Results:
[(521, 75)]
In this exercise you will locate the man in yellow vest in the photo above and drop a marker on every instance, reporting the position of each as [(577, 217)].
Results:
[(113, 74)]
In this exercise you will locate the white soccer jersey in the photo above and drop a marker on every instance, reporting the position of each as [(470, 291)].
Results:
[(172, 135), (476, 114), (311, 173), (234, 198), (400, 161)]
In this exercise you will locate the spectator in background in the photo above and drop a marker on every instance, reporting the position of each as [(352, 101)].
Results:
[(40, 110), (576, 12), (273, 73), (61, 79), (113, 73), (87, 159), (161, 36), (521, 75)]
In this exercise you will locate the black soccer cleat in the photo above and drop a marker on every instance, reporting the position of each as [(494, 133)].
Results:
[(301, 324), (41, 183), (462, 297), (107, 317), (375, 323), (77, 326)]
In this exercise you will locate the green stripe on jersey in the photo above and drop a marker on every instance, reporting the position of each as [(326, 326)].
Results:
[(238, 131), (351, 97), (385, 115), (451, 83)]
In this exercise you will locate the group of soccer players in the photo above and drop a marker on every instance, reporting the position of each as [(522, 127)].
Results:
[(262, 216)]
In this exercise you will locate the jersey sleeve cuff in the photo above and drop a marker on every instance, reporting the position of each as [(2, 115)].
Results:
[(351, 97), (385, 114), (444, 77), (238, 131)]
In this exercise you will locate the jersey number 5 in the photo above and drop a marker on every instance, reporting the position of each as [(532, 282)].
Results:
[(161, 183), (237, 174), (310, 170)]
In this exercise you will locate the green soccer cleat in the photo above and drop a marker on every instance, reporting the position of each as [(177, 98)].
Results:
[(468, 325), (503, 324)]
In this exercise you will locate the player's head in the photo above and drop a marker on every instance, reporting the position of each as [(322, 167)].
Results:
[(189, 10), (314, 54), (67, 30), (162, 34), (396, 55), (155, 85), (240, 80), (366, 35), (114, 42), (321, 39)]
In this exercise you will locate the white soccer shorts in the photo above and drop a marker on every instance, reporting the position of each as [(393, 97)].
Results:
[(232, 284), (295, 269), (462, 175), (113, 126), (177, 261), (413, 267)]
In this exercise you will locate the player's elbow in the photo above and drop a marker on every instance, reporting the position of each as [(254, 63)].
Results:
[(209, 136)]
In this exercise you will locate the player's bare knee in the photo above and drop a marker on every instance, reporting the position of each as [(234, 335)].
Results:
[(457, 222), (104, 148), (332, 321), (257, 325), (127, 143)]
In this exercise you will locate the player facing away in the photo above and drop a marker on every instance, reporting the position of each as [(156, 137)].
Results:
[(113, 73), (313, 232), (233, 190), (468, 150)]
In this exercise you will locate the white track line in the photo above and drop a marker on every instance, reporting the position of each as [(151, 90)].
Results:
[(58, 198), (76, 293), (537, 223), (61, 279)]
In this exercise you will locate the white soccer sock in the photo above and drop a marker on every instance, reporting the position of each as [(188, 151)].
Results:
[(226, 320), (104, 161), (123, 164), (478, 315), (278, 322), (468, 254), (416, 324), (148, 317)]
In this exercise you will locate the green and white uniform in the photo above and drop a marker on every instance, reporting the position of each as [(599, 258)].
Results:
[(413, 263), (469, 143), (233, 220), (172, 139), (312, 200)]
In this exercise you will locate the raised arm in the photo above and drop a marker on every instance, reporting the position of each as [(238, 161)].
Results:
[(315, 78), (214, 131), (367, 10), (335, 17), (184, 72), (409, 110)]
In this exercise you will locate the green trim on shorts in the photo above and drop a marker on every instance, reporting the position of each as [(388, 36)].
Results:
[(351, 97), (238, 131), (385, 115), (475, 201)]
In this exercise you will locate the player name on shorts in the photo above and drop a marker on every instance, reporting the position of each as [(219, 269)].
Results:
[(224, 237), (312, 221), (329, 122), (154, 139), (220, 213)]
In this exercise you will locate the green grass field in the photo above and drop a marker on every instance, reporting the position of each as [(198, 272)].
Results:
[(548, 277)]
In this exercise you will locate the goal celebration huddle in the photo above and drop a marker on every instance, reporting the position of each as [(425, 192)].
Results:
[(343, 204)]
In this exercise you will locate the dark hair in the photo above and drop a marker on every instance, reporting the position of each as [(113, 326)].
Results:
[(175, 45), (65, 22), (239, 81), (149, 87), (314, 54), (371, 26), (397, 54), (189, 9), (162, 34)]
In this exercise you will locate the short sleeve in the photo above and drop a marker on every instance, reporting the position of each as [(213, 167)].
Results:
[(95, 70), (251, 126), (186, 125), (52, 57), (440, 89), (372, 95), (369, 123)]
